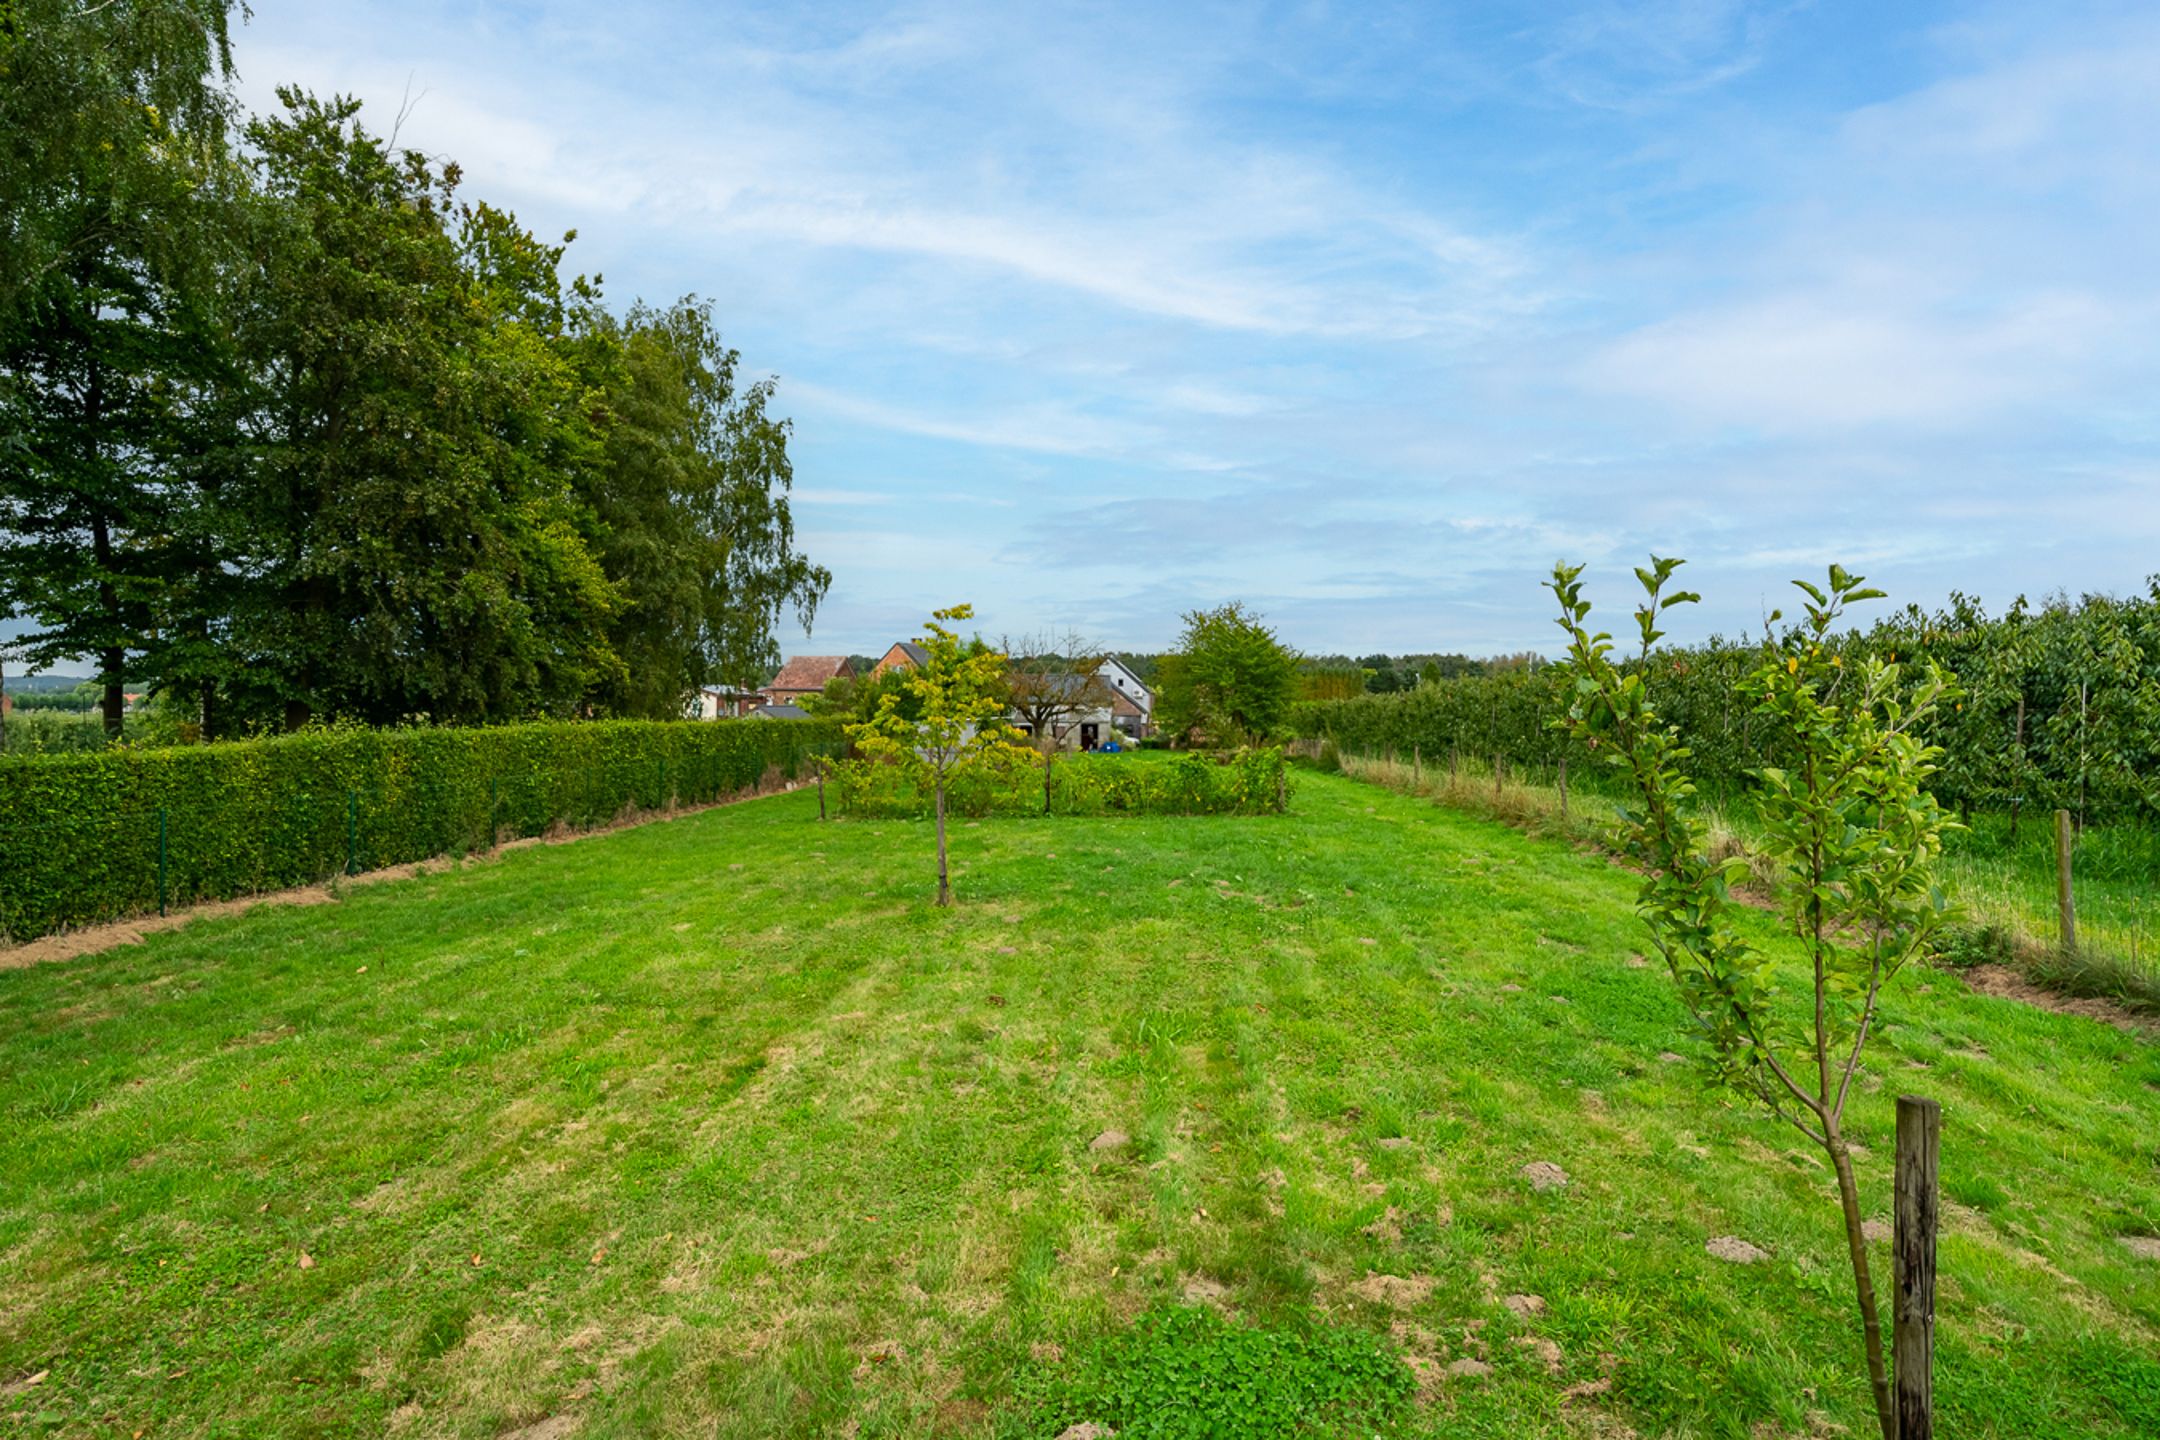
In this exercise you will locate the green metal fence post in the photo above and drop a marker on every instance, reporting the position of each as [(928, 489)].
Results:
[(494, 815), (352, 832), (161, 860)]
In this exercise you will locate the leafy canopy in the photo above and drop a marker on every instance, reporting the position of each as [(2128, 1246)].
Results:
[(960, 707), (1231, 681)]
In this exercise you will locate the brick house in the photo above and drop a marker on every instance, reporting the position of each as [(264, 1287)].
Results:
[(904, 655), (806, 675)]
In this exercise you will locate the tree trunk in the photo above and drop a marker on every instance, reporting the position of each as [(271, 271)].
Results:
[(944, 882), (1863, 1282), (112, 658)]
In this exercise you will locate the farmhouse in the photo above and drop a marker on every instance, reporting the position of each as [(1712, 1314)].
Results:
[(806, 675), (1132, 704), (1129, 711)]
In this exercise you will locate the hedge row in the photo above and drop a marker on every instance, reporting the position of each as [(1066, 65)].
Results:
[(80, 834), (1249, 782), (1479, 717)]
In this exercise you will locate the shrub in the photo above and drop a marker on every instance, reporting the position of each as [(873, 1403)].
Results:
[(80, 839), (1244, 782)]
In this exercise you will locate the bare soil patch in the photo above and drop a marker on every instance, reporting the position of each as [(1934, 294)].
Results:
[(2007, 984)]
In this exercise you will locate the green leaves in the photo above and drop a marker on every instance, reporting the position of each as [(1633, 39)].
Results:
[(959, 714), (262, 815), (1847, 820), (1250, 782), (1187, 1372), (1231, 682)]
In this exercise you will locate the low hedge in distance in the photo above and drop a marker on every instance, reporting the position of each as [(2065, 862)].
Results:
[(1245, 782), (80, 835)]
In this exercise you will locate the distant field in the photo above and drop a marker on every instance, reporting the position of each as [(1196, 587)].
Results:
[(716, 1126)]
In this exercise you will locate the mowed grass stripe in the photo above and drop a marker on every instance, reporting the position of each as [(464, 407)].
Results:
[(749, 1139)]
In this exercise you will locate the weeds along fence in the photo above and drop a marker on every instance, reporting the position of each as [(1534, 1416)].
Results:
[(96, 837), (2009, 896), (1246, 782)]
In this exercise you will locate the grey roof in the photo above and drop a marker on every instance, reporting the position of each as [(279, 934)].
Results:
[(915, 652), (781, 712)]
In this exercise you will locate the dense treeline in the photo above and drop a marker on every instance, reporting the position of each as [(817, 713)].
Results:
[(291, 429), (2060, 707)]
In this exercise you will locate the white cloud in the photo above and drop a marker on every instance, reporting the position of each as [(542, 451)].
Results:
[(1049, 429), (1849, 358)]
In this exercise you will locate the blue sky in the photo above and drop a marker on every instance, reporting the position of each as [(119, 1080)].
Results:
[(1365, 314)]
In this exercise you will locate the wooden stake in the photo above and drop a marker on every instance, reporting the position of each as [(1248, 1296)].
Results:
[(2065, 897), (1499, 769), (1563, 787), (821, 788), (1417, 767), (1912, 1264)]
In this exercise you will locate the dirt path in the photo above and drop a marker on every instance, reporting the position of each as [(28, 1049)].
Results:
[(95, 939), (2008, 984)]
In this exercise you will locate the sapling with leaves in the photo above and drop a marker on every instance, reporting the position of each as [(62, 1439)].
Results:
[(1848, 822), (957, 722)]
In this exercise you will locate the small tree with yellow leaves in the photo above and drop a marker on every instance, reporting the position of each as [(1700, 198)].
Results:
[(960, 689)]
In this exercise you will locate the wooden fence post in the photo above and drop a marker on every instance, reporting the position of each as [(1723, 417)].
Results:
[(1912, 1263), (1417, 766), (1563, 787), (1499, 769), (1453, 762), (2065, 897), (821, 787)]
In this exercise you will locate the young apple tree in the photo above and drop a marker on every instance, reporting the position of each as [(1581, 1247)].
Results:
[(1852, 830), (957, 720)]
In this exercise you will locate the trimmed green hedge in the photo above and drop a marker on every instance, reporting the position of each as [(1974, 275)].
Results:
[(1248, 782), (79, 834)]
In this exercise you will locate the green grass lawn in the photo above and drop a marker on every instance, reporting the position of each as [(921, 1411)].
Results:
[(718, 1127)]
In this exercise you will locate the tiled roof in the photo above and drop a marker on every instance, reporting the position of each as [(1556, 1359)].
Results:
[(809, 672)]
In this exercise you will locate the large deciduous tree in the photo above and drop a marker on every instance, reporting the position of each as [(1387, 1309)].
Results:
[(691, 501), (1231, 681), (417, 551), (298, 432)]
